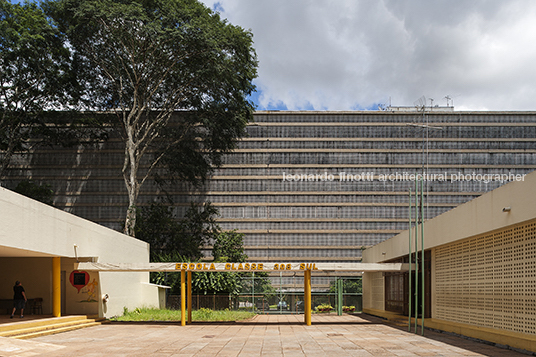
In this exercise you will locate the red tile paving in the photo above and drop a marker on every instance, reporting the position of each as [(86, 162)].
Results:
[(265, 335)]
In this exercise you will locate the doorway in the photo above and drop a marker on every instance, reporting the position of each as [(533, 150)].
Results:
[(397, 288)]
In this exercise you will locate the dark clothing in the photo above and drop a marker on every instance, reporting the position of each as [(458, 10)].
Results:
[(19, 304), (19, 298), (18, 290)]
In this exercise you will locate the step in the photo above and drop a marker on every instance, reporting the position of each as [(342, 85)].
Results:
[(56, 330), (47, 326), (17, 323)]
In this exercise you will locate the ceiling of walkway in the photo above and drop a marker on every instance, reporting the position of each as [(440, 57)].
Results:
[(14, 253)]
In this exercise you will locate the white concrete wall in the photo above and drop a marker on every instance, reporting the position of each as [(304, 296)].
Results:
[(31, 229), (149, 292)]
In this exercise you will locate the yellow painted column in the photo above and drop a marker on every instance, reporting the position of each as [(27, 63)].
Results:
[(183, 298), (307, 296), (56, 286), (189, 297)]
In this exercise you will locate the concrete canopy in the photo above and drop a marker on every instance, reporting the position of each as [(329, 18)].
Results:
[(252, 267)]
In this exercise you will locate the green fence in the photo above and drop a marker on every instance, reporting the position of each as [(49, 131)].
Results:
[(270, 295)]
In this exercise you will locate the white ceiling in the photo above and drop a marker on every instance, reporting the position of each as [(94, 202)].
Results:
[(14, 252)]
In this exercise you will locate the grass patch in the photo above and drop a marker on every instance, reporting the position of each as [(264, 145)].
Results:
[(152, 314)]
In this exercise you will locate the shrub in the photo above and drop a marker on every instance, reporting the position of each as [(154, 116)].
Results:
[(324, 308)]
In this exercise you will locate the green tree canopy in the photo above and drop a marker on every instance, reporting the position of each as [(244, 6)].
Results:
[(34, 77), (349, 286), (229, 247), (169, 235), (175, 240), (38, 192), (147, 60)]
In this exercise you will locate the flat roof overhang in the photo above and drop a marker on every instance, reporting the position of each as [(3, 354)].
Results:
[(244, 267), (13, 252)]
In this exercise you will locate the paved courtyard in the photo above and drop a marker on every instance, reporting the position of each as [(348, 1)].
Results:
[(265, 335)]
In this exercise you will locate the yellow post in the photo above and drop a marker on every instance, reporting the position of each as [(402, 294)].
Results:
[(183, 298), (189, 297), (56, 286), (307, 296)]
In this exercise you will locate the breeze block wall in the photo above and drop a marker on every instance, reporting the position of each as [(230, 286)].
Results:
[(489, 280)]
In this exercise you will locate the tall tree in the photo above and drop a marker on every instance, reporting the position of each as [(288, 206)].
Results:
[(175, 75), (229, 247), (167, 235), (42, 193), (34, 72)]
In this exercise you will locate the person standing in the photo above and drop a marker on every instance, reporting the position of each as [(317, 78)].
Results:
[(19, 299)]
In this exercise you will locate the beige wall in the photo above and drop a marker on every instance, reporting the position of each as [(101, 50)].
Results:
[(32, 233), (373, 291), (34, 274), (475, 217), (45, 231), (489, 280), (483, 261)]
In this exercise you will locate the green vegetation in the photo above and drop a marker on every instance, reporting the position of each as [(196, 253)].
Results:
[(324, 308), (171, 237), (152, 314), (36, 78), (170, 78), (349, 286), (229, 247), (42, 193), (146, 60)]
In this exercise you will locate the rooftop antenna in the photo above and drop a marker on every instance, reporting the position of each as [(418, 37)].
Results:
[(420, 103), (385, 106), (419, 213), (449, 99)]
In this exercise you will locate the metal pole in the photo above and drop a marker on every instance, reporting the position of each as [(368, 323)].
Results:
[(339, 296), (183, 298), (422, 258), (253, 292), (280, 292), (56, 286), (409, 256), (307, 292), (416, 250), (305, 302), (189, 296)]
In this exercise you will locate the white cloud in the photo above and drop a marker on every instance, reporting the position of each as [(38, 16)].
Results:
[(348, 54)]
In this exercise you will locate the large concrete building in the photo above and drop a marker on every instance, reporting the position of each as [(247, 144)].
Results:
[(313, 186)]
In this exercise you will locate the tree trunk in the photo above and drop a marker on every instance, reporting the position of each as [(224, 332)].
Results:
[(130, 173)]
